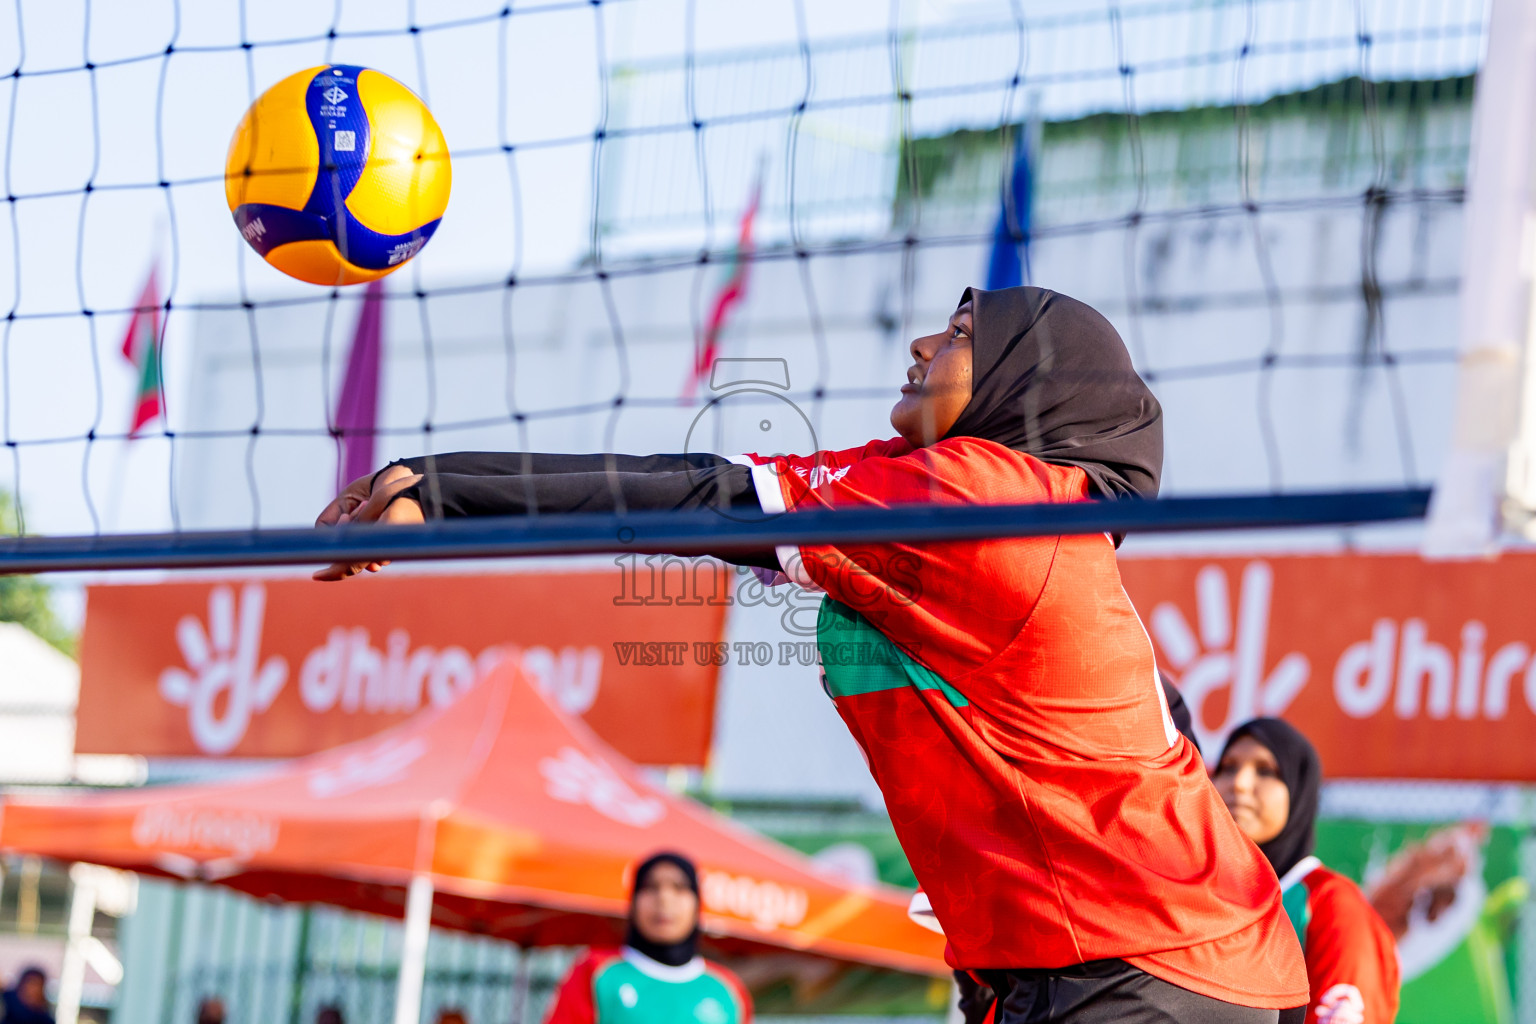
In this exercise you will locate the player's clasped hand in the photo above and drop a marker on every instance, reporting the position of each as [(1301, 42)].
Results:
[(370, 499)]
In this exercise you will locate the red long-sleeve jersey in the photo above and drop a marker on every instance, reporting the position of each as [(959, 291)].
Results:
[(1006, 697)]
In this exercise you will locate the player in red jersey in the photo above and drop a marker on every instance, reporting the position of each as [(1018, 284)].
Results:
[(1269, 776), (1004, 691)]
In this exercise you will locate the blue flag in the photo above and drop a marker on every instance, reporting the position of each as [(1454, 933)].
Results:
[(1009, 263)]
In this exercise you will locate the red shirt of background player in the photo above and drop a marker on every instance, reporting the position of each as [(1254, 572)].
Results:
[(1352, 966)]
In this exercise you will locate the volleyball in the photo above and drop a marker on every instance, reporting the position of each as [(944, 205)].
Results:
[(337, 175)]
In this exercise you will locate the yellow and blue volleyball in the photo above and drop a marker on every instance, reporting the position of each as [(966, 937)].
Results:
[(337, 175)]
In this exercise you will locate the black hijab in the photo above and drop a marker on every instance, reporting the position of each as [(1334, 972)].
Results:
[(1302, 772), (1178, 710), (672, 954), (1051, 378)]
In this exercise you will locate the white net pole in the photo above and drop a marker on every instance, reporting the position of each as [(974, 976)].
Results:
[(1491, 468), (413, 955), (82, 913)]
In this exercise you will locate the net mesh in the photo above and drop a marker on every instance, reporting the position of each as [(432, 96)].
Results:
[(1263, 196)]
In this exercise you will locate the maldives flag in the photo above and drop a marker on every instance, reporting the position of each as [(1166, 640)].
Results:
[(731, 292), (141, 347)]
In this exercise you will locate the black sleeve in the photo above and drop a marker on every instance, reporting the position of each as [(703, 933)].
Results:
[(518, 483), (450, 495), (540, 463)]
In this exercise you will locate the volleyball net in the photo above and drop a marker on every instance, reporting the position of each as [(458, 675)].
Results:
[(686, 227)]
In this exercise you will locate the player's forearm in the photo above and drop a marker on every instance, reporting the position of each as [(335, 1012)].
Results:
[(542, 463), (459, 484), (451, 495)]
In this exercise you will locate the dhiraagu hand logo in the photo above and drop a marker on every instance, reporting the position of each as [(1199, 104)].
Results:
[(573, 777), (1228, 654), (225, 681)]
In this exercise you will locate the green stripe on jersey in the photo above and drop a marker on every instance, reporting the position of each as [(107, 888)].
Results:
[(1295, 901), (857, 658)]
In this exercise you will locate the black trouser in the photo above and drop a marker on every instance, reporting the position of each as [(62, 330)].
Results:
[(1105, 991)]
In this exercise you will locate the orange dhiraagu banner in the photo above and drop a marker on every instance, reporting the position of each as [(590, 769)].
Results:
[(1394, 666), (284, 667)]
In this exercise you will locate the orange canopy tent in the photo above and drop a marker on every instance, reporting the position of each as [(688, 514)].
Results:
[(498, 815)]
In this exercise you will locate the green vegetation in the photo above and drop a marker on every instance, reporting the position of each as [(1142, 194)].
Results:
[(1196, 150), (26, 600)]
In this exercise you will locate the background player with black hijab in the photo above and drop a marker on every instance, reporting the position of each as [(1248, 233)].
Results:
[(1066, 834), (657, 977), (1269, 776)]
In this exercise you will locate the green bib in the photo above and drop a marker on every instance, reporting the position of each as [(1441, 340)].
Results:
[(857, 658), (624, 994), (1296, 902)]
